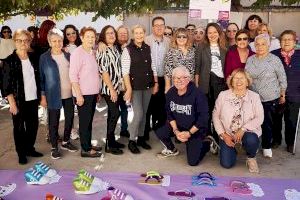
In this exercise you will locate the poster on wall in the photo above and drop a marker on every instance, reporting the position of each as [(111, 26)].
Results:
[(210, 9)]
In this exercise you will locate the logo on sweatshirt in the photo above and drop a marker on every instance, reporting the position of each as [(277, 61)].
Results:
[(182, 109)]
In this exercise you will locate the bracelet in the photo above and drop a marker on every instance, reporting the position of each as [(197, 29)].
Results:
[(175, 131), (190, 132)]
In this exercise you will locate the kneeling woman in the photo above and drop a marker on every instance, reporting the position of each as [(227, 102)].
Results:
[(238, 116)]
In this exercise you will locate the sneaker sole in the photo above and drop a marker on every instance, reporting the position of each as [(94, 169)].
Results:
[(160, 155), (70, 150), (55, 158)]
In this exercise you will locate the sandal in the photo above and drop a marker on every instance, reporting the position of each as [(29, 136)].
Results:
[(240, 187), (204, 175), (152, 178), (182, 193), (204, 181)]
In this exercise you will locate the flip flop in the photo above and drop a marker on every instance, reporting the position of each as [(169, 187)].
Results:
[(240, 187), (203, 181), (204, 175), (182, 193)]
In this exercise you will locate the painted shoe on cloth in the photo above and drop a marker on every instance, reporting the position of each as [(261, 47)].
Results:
[(117, 194), (34, 177), (52, 197), (7, 189), (86, 176), (83, 187), (44, 169)]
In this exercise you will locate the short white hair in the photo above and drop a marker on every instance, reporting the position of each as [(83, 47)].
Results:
[(55, 31), (263, 36), (181, 69)]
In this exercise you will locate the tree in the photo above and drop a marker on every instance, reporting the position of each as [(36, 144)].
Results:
[(103, 8)]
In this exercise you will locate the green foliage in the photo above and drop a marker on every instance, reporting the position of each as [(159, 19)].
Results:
[(103, 8)]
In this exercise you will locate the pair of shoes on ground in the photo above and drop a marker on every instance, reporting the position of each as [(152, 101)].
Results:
[(86, 183), (251, 163), (114, 147), (95, 152), (167, 153), (40, 174), (55, 153), (133, 145), (267, 153), (23, 160)]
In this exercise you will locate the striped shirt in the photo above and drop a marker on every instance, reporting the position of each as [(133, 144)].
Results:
[(109, 61), (126, 62), (268, 75), (175, 58)]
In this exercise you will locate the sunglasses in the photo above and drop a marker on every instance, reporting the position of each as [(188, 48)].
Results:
[(244, 38), (73, 33), (167, 34), (6, 31), (181, 37)]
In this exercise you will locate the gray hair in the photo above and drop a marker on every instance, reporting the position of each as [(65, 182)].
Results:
[(263, 36), (181, 69), (55, 31)]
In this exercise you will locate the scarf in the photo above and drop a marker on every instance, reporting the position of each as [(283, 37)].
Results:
[(287, 56)]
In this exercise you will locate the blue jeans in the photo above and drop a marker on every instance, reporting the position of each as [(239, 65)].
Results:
[(228, 154)]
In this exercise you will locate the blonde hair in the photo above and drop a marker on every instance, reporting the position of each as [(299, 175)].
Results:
[(19, 32), (174, 38), (236, 71), (261, 25), (138, 26)]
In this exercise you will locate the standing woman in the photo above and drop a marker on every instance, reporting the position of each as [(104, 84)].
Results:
[(180, 54), (56, 91), (85, 81), (21, 86), (231, 31), (140, 77), (290, 58), (71, 38), (269, 81), (210, 60), (236, 57), (7, 45), (109, 62), (251, 25)]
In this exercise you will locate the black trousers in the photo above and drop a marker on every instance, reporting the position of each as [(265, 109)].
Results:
[(25, 124), (272, 123), (53, 121), (290, 119), (216, 86), (196, 149), (156, 108), (86, 115), (113, 114), (123, 113)]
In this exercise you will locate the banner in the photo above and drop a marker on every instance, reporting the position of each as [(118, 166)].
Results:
[(210, 9)]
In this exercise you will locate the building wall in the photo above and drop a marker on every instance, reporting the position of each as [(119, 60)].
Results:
[(279, 20)]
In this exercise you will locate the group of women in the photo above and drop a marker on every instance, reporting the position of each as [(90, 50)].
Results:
[(246, 84)]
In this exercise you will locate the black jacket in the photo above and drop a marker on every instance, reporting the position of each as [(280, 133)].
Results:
[(13, 77)]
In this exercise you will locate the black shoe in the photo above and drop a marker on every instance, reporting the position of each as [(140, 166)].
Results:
[(275, 145), (125, 134), (23, 160), (34, 153), (55, 154), (118, 145), (97, 148), (290, 148), (142, 143), (133, 147), (114, 150), (88, 154), (69, 146)]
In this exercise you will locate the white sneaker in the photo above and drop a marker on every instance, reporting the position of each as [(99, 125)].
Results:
[(167, 153), (74, 134), (267, 153)]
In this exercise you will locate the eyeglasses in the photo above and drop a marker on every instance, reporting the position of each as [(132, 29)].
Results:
[(167, 34), (19, 41), (72, 33), (6, 31), (182, 78), (190, 29), (240, 39), (287, 40), (181, 37)]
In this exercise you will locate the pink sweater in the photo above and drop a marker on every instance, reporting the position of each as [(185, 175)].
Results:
[(252, 112), (84, 70)]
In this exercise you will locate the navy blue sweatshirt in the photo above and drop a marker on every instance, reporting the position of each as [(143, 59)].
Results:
[(292, 74), (189, 109)]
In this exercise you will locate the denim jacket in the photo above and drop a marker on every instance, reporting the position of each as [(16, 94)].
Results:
[(50, 79)]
